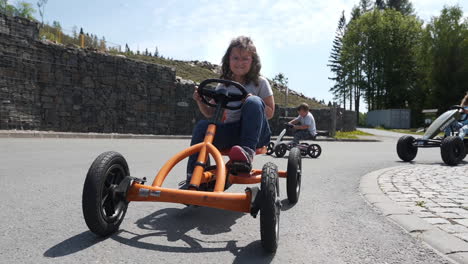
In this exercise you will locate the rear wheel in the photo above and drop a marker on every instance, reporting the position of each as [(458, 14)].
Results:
[(405, 148), (294, 172), (314, 151), (280, 150), (465, 142), (452, 150), (103, 208), (270, 208), (270, 148)]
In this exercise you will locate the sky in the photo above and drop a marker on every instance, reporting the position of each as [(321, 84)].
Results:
[(292, 37)]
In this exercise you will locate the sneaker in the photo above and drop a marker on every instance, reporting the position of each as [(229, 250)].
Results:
[(241, 154)]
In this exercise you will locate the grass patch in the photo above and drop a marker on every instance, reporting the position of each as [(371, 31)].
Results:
[(351, 134), (404, 131)]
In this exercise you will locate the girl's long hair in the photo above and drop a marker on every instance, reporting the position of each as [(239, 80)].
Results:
[(244, 43), (464, 102)]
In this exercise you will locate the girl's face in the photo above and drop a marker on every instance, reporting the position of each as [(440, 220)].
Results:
[(240, 61)]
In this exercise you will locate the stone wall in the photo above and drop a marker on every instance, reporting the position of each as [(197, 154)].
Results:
[(45, 86)]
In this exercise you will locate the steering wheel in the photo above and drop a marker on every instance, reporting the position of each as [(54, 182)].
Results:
[(453, 107), (221, 95), (288, 125)]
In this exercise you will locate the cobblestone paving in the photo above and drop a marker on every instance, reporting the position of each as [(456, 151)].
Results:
[(436, 193)]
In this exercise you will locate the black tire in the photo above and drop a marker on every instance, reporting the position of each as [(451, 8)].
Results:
[(452, 150), (465, 142), (314, 151), (304, 148), (405, 148), (104, 211), (294, 172), (270, 208), (270, 148), (280, 150)]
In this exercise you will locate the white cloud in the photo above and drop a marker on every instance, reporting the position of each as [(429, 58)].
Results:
[(272, 24)]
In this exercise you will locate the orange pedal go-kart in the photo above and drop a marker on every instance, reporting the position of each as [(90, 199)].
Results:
[(109, 188)]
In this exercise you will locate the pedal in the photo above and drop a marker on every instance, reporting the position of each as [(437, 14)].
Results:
[(236, 168)]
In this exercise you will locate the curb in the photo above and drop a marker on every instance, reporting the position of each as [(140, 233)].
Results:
[(449, 246), (53, 134)]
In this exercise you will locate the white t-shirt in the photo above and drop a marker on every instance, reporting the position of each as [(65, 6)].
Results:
[(263, 90), (308, 120)]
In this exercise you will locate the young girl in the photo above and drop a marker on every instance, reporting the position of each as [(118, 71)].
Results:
[(460, 126), (245, 129)]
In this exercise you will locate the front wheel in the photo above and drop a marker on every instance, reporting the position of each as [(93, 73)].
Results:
[(452, 150), (314, 151), (405, 148), (280, 150), (103, 208), (294, 173), (270, 208)]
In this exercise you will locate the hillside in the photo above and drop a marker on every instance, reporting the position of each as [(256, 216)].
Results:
[(199, 71), (190, 70)]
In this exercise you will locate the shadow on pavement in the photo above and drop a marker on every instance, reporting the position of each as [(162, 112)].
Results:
[(174, 224), (422, 162), (74, 244), (286, 205), (252, 253)]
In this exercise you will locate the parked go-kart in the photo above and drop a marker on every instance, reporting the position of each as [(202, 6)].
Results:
[(108, 188), (280, 147), (452, 148)]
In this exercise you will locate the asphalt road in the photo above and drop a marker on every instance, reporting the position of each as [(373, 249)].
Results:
[(41, 220)]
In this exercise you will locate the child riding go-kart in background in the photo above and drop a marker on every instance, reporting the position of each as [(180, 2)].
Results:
[(460, 126), (245, 129), (304, 124)]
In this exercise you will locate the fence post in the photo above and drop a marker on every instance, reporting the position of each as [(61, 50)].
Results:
[(332, 121)]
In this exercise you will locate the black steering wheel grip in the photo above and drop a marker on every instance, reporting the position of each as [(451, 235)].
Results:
[(203, 91)]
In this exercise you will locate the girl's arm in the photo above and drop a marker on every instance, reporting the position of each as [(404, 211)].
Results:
[(269, 106), (206, 110)]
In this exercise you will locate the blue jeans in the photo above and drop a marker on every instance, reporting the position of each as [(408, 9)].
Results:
[(301, 135), (252, 130)]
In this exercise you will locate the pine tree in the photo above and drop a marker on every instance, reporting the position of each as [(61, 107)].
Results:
[(156, 52), (403, 6), (365, 5), (127, 50), (336, 63), (379, 4)]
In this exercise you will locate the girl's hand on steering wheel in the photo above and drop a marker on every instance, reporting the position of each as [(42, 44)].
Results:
[(247, 96), (196, 96)]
